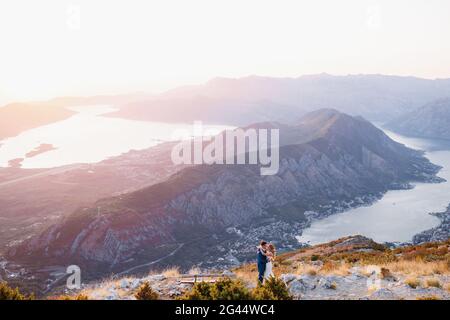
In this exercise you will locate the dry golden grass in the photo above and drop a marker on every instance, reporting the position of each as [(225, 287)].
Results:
[(172, 272), (79, 296), (418, 267), (430, 297), (311, 271), (247, 273), (447, 287), (95, 293), (413, 269), (101, 290), (100, 293), (335, 268), (303, 268), (432, 282), (413, 282)]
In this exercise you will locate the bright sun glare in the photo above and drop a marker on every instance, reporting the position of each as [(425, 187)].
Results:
[(53, 48)]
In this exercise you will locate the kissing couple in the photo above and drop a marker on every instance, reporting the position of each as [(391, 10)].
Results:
[(266, 257)]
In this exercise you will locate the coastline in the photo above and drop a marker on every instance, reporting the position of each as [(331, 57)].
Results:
[(439, 233)]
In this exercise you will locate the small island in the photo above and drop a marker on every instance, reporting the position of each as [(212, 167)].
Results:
[(44, 147)]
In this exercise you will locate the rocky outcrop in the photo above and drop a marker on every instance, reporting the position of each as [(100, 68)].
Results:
[(350, 268), (357, 285)]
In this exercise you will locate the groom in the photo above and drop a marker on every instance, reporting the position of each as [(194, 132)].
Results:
[(262, 261)]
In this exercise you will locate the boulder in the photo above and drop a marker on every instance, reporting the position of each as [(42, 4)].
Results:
[(156, 277), (301, 285), (383, 294), (288, 278), (124, 284), (326, 283), (135, 283)]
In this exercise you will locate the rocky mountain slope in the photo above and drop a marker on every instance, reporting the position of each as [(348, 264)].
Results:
[(429, 121), (33, 199), (214, 214)]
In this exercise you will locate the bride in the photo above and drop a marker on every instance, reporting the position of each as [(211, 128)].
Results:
[(270, 254)]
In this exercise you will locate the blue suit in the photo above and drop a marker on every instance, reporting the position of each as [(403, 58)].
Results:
[(262, 261)]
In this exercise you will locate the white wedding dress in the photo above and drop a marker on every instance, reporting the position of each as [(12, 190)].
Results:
[(269, 270)]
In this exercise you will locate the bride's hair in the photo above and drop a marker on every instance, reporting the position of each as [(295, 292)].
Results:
[(272, 249)]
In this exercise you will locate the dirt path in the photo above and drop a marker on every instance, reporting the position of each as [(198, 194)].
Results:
[(152, 262), (41, 174)]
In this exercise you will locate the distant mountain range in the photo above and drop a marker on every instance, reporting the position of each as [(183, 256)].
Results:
[(256, 99), (430, 121), (200, 213), (247, 100), (18, 117)]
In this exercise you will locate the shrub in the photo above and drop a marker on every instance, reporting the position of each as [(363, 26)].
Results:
[(413, 282), (311, 271), (200, 291), (286, 262), (173, 272), (272, 289), (386, 273), (262, 293), (145, 292), (225, 289), (328, 266), (228, 289), (432, 297), (79, 297), (433, 283), (8, 293)]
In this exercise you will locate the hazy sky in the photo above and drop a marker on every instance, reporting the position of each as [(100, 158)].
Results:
[(59, 47)]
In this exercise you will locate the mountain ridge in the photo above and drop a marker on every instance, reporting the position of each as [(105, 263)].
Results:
[(429, 121), (240, 101)]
